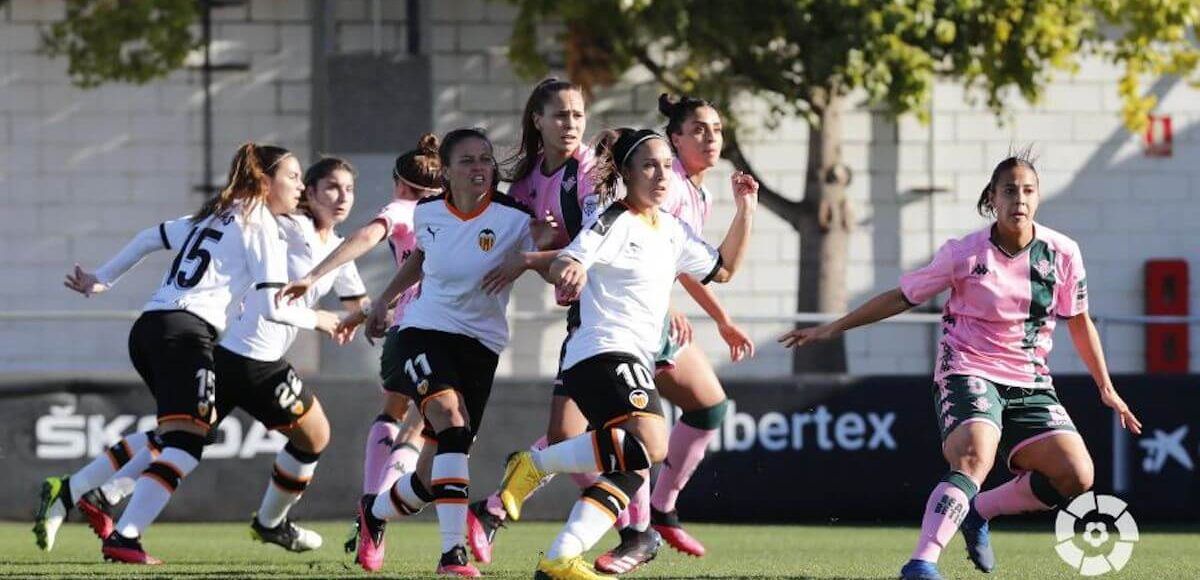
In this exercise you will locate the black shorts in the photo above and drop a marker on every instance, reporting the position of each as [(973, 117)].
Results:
[(424, 364), (271, 392), (573, 322), (172, 350), (611, 387)]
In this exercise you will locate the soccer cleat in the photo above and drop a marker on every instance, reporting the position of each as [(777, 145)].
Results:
[(667, 524), (634, 551), (920, 570), (287, 534), (351, 543), (54, 503), (455, 563), (521, 478), (979, 544), (118, 548), (482, 526), (98, 511), (370, 536), (574, 568)]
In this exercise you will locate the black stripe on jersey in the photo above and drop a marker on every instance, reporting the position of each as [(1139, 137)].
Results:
[(716, 268), (262, 285), (608, 217), (437, 197), (162, 233), (507, 201), (353, 297)]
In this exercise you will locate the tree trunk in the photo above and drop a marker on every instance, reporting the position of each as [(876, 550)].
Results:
[(824, 235)]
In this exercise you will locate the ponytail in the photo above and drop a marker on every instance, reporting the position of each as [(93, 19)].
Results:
[(614, 149), (248, 181)]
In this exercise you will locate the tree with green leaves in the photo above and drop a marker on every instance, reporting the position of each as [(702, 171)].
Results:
[(133, 41), (808, 58)]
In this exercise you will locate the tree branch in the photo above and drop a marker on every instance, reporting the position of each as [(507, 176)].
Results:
[(789, 210)]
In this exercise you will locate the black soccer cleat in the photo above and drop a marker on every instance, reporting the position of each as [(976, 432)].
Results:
[(287, 535), (635, 550)]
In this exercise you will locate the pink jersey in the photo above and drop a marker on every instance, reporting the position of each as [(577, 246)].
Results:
[(999, 321), (685, 201), (542, 194), (397, 217)]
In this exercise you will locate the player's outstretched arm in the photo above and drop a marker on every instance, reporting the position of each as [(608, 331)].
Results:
[(377, 317), (737, 239), (146, 242), (351, 248), (885, 305), (1087, 344), (740, 345)]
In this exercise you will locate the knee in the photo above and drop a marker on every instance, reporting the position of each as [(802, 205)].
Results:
[(396, 406), (974, 463), (1077, 480), (656, 448), (444, 410), (556, 434)]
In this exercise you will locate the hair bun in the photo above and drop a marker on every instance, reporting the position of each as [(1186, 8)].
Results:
[(428, 144), (666, 105)]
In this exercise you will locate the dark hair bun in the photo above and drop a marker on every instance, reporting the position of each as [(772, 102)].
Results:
[(665, 105), (428, 144)]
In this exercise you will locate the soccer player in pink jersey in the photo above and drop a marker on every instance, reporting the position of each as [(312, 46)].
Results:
[(1009, 283), (390, 448)]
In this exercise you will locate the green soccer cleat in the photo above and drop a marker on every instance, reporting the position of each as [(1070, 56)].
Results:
[(54, 504)]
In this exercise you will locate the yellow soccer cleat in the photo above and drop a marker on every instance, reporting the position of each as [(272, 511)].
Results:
[(521, 478), (566, 569)]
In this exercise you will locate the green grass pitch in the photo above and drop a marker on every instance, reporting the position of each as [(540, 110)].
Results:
[(807, 551)]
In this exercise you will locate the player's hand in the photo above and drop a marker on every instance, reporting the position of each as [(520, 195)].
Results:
[(570, 282), (327, 322), (544, 231), (740, 345), (803, 336), (745, 191), (84, 282), (294, 290), (1114, 401), (377, 322), (505, 274), (348, 325), (681, 327)]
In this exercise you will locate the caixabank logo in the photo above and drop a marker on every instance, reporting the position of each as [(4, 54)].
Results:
[(1096, 534)]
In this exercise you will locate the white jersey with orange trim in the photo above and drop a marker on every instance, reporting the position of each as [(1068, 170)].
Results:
[(219, 259), (460, 249), (631, 267), (251, 334)]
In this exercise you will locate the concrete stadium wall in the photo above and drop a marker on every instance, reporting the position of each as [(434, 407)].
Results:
[(81, 171)]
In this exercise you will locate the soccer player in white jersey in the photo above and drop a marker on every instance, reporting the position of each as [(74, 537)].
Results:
[(253, 375), (391, 449), (231, 248), (1008, 284), (444, 352), (622, 267)]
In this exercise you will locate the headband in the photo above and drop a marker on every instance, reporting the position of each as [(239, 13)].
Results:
[(639, 137)]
